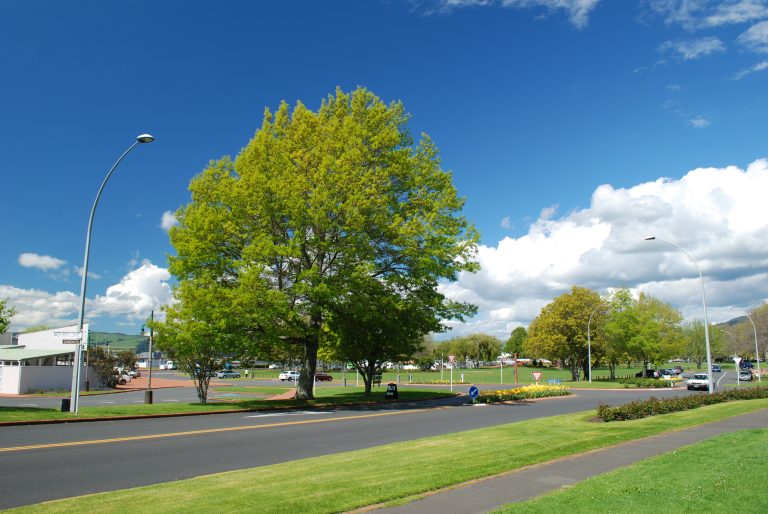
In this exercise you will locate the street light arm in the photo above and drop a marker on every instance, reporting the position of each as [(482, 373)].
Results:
[(757, 349)]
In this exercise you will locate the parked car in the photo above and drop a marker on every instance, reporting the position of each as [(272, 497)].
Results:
[(288, 375), (227, 373), (135, 373), (745, 364), (698, 381), (648, 373), (323, 377), (745, 374), (671, 372), (123, 378), (716, 368)]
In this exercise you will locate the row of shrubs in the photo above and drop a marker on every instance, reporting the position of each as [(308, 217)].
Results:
[(646, 382), (652, 406), (528, 392)]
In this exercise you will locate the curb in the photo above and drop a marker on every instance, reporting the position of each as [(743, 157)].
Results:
[(186, 414)]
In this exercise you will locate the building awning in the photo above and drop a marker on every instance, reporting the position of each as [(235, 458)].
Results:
[(21, 353)]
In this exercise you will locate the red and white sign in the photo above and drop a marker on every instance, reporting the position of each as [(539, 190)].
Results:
[(536, 375), (451, 358)]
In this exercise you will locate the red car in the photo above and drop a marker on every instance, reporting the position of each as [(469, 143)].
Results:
[(323, 377)]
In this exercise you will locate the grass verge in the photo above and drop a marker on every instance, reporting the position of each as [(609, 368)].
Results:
[(325, 397), (691, 482), (391, 472)]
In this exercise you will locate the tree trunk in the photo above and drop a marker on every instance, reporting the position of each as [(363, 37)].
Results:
[(574, 365), (305, 386), (612, 368)]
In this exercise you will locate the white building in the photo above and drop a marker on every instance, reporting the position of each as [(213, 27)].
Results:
[(41, 361)]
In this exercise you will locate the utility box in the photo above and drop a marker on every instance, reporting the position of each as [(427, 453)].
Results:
[(391, 393)]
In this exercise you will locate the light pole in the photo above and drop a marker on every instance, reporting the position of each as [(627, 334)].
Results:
[(589, 343), (148, 392), (710, 385), (757, 351), (75, 393)]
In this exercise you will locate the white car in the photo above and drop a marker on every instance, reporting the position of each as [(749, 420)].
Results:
[(123, 379), (699, 381), (289, 375)]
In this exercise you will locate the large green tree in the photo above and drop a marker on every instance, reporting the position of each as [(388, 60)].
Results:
[(6, 313), (315, 203), (516, 340), (559, 332)]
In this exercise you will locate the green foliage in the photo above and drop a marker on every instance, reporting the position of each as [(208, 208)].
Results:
[(104, 365), (6, 313), (648, 383), (652, 406), (315, 208), (514, 344), (559, 332)]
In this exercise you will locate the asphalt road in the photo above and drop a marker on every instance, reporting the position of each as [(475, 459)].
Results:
[(45, 462)]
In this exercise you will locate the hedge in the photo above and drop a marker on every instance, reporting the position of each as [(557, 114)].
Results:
[(652, 406)]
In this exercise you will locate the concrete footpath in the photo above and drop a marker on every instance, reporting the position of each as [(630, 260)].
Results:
[(485, 495)]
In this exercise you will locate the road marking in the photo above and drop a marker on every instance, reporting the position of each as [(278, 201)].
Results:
[(102, 401), (289, 413), (170, 400), (206, 431), (28, 405), (721, 377)]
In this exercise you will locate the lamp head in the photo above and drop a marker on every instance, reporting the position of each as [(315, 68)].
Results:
[(145, 138), (650, 238)]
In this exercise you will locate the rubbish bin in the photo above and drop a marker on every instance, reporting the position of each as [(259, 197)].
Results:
[(65, 405), (148, 396), (391, 393)]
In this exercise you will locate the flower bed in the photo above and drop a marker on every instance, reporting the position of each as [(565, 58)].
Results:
[(652, 406), (522, 393)]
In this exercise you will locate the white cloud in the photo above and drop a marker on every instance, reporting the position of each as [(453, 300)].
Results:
[(168, 221), (699, 122), (41, 262), (702, 14), (729, 13), (91, 274), (718, 215), (506, 223), (138, 292), (693, 48), (577, 10), (761, 66), (756, 37)]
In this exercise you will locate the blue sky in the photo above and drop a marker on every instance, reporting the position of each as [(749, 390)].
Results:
[(572, 127)]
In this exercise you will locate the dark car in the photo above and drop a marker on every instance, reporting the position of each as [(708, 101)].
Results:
[(745, 364), (648, 373), (716, 368), (323, 377)]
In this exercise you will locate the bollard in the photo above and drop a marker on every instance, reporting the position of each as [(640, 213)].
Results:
[(65, 405), (148, 397)]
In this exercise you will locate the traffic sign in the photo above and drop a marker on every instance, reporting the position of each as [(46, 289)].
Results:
[(451, 358), (536, 375), (473, 392)]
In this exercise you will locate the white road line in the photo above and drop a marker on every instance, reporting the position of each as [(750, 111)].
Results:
[(102, 401), (170, 400), (721, 377), (288, 413), (28, 405)]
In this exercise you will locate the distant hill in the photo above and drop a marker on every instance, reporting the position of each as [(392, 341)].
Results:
[(732, 322), (119, 342)]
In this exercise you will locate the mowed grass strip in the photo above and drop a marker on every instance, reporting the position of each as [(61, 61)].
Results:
[(722, 474), (325, 397), (391, 472)]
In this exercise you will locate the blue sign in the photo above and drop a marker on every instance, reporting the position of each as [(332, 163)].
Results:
[(473, 392)]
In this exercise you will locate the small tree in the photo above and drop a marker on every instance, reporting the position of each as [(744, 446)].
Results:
[(6, 313), (104, 365), (516, 340)]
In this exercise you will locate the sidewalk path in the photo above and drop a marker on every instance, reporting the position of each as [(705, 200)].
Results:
[(485, 495)]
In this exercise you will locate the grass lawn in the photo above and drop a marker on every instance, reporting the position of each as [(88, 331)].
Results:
[(686, 480), (392, 472), (326, 396)]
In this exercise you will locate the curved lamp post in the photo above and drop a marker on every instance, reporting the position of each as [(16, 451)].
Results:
[(704, 301), (75, 393), (757, 350)]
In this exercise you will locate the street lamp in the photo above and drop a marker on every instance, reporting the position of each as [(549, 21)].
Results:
[(589, 343), (757, 350), (75, 393), (704, 301)]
